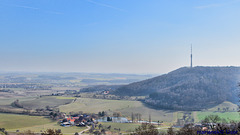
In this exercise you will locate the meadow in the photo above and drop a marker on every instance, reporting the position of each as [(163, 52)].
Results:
[(124, 127), (13, 122), (228, 116), (8, 101), (42, 102), (126, 108), (88, 105), (53, 125)]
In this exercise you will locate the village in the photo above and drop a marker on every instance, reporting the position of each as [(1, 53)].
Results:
[(94, 125)]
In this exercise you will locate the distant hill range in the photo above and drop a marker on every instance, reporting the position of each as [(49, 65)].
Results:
[(187, 88)]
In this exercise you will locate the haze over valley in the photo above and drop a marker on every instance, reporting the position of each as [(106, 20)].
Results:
[(119, 67)]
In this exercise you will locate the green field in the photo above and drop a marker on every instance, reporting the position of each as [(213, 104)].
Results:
[(128, 127), (124, 127), (231, 107), (229, 116), (89, 105), (8, 101), (42, 102), (53, 125), (12, 122), (65, 98)]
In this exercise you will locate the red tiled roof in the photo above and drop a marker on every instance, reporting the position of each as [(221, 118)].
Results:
[(71, 119)]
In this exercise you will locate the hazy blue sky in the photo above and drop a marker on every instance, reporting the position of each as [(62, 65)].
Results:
[(121, 36)]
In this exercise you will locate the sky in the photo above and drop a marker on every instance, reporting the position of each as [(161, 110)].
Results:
[(117, 36)]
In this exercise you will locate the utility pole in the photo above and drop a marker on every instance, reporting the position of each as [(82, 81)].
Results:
[(150, 119)]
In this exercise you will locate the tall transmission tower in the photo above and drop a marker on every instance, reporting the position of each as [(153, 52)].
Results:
[(191, 56)]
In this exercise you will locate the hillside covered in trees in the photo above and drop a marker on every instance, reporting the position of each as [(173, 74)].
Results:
[(187, 88)]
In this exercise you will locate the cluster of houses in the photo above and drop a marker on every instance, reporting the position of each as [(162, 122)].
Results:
[(80, 120)]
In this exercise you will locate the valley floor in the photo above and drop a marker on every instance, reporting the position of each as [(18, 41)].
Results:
[(13, 122)]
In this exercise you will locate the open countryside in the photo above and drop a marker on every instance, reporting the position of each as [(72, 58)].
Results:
[(119, 67), (75, 105)]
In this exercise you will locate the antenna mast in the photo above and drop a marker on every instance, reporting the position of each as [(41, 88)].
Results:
[(191, 56)]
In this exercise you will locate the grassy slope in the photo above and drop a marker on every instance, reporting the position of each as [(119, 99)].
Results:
[(8, 101), (224, 105), (125, 127), (229, 116), (22, 122), (45, 101), (53, 125), (12, 122), (125, 107)]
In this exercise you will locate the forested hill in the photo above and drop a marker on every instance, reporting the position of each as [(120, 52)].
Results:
[(188, 88)]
